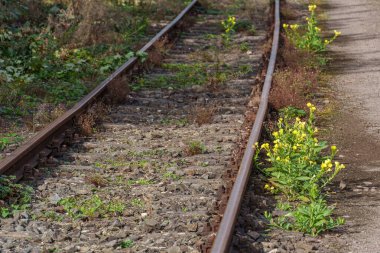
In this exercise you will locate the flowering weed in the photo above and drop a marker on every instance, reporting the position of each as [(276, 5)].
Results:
[(229, 29), (299, 171), (308, 36)]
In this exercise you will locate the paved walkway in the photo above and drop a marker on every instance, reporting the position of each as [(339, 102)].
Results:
[(357, 128)]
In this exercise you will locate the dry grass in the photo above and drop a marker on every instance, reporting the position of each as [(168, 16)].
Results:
[(296, 78), (159, 51), (44, 114), (117, 91), (87, 121), (202, 114), (97, 180)]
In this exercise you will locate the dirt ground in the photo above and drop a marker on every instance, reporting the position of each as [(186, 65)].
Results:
[(356, 126)]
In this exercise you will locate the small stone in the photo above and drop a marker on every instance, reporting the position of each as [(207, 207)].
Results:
[(42, 187), (143, 215), (70, 249), (47, 236), (274, 251), (254, 235), (367, 183), (342, 185), (54, 198), (19, 228), (174, 249), (111, 243), (192, 227), (151, 222)]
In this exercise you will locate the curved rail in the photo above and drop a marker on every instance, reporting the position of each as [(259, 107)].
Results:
[(15, 163), (223, 237)]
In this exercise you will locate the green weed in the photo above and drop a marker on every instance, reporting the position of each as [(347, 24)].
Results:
[(136, 202), (127, 244), (94, 206), (300, 172), (15, 197), (195, 148), (8, 139), (309, 37), (229, 26)]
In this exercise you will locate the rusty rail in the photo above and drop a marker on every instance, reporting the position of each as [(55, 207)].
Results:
[(223, 238), (26, 156)]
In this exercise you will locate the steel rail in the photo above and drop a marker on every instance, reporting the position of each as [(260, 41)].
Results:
[(15, 163), (223, 237)]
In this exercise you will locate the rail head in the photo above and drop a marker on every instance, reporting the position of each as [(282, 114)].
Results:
[(21, 156), (223, 237)]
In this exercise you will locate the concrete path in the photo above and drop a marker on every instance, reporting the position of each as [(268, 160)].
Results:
[(356, 129)]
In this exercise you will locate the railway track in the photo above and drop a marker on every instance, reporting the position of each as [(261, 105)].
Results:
[(155, 176)]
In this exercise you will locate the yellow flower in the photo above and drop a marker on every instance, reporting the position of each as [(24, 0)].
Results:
[(278, 158), (327, 42), (312, 109), (316, 130), (333, 148), (285, 26), (294, 148), (275, 134), (309, 105), (337, 33), (312, 7), (266, 186), (317, 29), (294, 27), (265, 146)]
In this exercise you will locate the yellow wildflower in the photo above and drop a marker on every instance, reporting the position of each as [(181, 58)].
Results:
[(337, 33), (285, 26), (312, 7), (275, 134), (333, 148), (309, 105), (327, 42), (294, 27), (317, 29)]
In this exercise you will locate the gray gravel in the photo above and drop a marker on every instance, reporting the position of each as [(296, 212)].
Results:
[(139, 158)]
